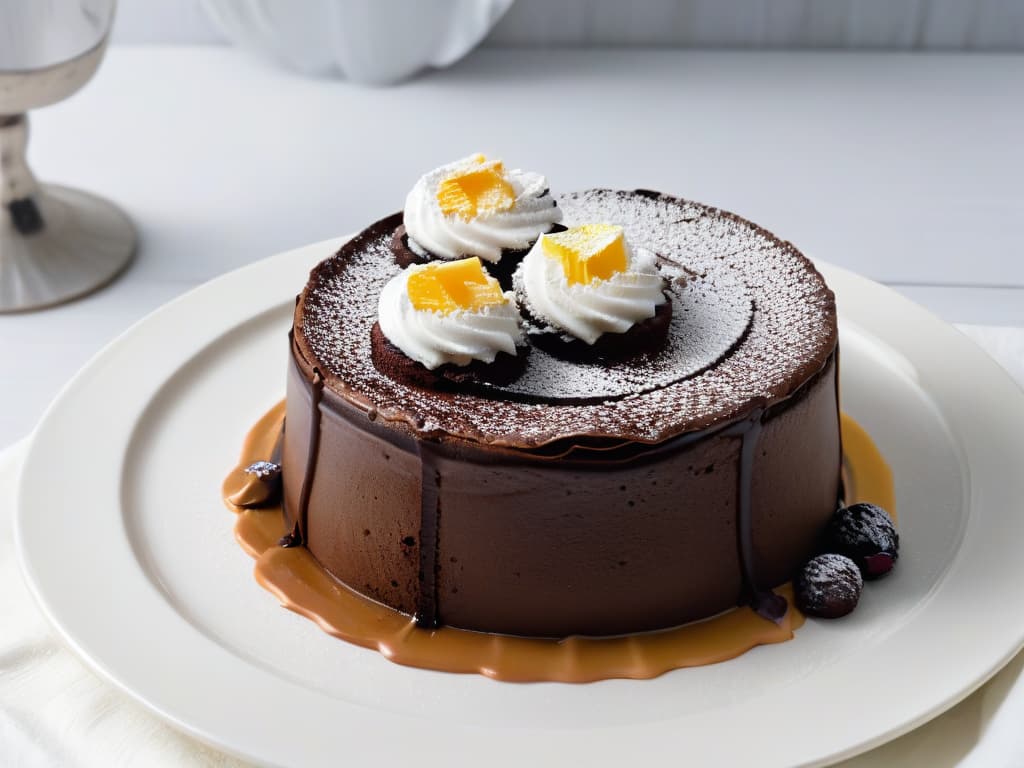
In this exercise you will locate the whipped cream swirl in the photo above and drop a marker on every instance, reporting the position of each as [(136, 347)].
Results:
[(588, 310), (434, 338), (487, 234)]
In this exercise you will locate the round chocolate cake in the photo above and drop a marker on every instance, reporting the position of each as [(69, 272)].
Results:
[(590, 488)]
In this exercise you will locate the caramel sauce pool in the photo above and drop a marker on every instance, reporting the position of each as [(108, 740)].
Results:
[(302, 585)]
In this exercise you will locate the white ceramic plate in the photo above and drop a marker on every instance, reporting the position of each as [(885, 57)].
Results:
[(130, 553)]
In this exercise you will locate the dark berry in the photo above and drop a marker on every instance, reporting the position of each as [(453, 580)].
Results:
[(262, 487), (865, 533), (828, 586), (264, 470), (291, 539)]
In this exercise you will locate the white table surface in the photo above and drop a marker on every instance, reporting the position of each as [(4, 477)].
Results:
[(906, 168)]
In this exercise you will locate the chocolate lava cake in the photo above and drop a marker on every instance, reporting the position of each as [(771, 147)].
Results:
[(592, 494)]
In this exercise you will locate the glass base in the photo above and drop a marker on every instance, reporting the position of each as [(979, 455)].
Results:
[(83, 243)]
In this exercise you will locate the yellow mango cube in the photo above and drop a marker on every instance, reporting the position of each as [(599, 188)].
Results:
[(480, 188), (448, 286), (589, 252)]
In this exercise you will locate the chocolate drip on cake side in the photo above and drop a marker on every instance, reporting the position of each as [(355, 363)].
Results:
[(765, 602), (841, 500), (312, 454), (293, 538), (430, 534), (578, 455)]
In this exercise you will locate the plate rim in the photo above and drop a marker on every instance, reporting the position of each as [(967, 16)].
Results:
[(263, 294)]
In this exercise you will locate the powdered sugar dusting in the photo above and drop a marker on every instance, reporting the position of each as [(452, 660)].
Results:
[(826, 581), (709, 315), (728, 263)]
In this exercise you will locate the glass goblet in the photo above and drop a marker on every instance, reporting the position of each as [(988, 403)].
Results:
[(56, 243)]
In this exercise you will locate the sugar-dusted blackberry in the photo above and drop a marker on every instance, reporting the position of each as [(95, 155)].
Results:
[(865, 533), (828, 586)]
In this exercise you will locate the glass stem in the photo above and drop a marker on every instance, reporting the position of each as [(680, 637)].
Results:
[(18, 185)]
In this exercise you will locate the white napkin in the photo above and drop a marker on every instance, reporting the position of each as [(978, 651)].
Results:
[(55, 712)]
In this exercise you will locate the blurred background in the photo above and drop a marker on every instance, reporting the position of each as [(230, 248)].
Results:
[(897, 24)]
